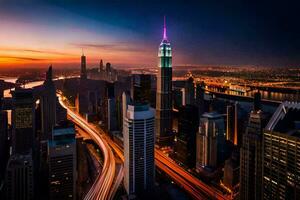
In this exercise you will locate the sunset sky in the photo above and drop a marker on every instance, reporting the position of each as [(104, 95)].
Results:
[(127, 33)]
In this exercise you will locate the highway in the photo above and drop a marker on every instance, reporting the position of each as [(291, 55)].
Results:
[(108, 181), (196, 188)]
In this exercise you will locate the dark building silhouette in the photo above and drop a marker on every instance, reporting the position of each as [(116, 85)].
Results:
[(189, 92), (20, 177), (62, 162), (257, 101), (251, 157), (232, 171), (23, 120), (232, 123), (164, 93), (48, 106), (4, 146), (101, 66), (83, 74), (281, 150), (141, 88), (200, 103), (188, 124)]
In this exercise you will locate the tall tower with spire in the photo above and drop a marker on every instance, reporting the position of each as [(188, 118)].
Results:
[(164, 92), (83, 67), (48, 105)]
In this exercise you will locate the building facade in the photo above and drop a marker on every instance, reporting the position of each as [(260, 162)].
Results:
[(210, 140), (20, 177), (164, 93), (62, 162), (251, 159), (188, 123), (281, 154), (138, 134), (23, 121)]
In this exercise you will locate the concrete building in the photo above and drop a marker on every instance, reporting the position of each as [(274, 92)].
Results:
[(48, 106), (189, 92), (210, 141), (188, 124), (62, 162), (83, 73), (20, 177), (281, 154), (23, 121), (251, 156), (232, 123), (138, 134)]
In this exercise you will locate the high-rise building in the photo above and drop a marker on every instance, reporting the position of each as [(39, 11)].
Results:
[(62, 162), (281, 153), (232, 171), (83, 74), (189, 91), (138, 134), (164, 92), (19, 177), (48, 106), (111, 115), (210, 141), (141, 88), (4, 153), (232, 123), (23, 120), (188, 123), (200, 90), (251, 157), (101, 66)]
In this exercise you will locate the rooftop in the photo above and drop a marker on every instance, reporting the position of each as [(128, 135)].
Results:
[(286, 119)]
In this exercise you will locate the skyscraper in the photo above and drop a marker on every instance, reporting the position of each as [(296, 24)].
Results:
[(210, 140), (19, 177), (62, 162), (23, 120), (141, 88), (138, 134), (200, 90), (4, 146), (189, 91), (83, 74), (281, 157), (188, 124), (251, 157), (48, 106), (101, 66), (164, 92), (232, 126)]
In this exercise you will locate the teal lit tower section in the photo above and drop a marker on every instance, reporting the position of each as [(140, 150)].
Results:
[(164, 92)]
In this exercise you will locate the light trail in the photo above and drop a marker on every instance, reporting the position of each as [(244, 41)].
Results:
[(102, 187)]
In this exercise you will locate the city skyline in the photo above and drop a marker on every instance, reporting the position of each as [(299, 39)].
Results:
[(35, 34), (107, 123)]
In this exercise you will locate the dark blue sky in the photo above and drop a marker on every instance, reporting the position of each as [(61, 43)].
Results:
[(218, 32)]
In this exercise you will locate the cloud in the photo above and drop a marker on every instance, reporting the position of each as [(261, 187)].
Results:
[(17, 58), (38, 51), (109, 47)]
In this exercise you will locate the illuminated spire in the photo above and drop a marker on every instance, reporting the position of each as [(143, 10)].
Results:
[(165, 29)]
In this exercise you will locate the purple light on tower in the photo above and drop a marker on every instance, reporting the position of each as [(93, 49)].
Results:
[(165, 29)]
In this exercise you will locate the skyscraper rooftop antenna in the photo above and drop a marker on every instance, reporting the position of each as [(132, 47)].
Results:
[(165, 29)]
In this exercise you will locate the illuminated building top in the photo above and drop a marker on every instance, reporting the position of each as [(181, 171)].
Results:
[(165, 51)]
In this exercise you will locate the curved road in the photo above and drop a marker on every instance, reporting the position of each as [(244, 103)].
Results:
[(107, 182)]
